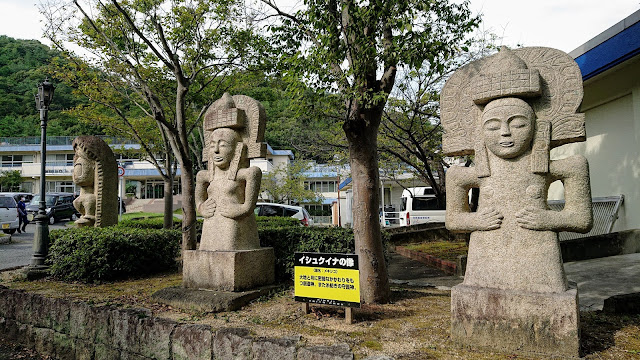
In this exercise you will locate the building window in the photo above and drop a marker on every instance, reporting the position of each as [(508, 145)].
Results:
[(60, 159), (320, 213), (61, 186), (321, 186), (15, 160), (154, 189), (27, 186)]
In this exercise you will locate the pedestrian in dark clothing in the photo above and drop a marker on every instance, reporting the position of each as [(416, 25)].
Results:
[(22, 216)]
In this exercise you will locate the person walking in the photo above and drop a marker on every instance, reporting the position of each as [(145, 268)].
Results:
[(22, 216)]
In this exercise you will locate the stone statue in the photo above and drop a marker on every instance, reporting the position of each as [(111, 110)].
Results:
[(226, 195), (508, 110), (227, 192), (96, 172)]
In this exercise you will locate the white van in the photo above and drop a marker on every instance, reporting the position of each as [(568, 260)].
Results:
[(420, 205)]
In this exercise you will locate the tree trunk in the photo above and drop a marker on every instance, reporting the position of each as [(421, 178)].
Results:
[(188, 208), (362, 137), (168, 193)]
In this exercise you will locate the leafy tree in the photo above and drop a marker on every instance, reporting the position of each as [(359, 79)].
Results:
[(118, 111), (410, 130), (10, 180), (354, 49), (173, 55), (285, 184)]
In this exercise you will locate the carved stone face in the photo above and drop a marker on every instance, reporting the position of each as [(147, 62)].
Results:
[(508, 127), (83, 170), (222, 147)]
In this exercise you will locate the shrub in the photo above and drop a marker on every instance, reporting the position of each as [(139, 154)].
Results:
[(147, 223), (276, 221), (288, 240), (102, 254)]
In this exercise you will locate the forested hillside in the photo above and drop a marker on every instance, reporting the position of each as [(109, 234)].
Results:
[(23, 64)]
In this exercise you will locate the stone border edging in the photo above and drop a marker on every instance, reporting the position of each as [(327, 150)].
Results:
[(444, 265), (67, 329)]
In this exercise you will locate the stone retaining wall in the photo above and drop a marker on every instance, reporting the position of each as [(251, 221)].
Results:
[(423, 233), (617, 243), (448, 267), (66, 329)]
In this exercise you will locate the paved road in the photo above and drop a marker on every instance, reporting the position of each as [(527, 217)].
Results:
[(20, 250)]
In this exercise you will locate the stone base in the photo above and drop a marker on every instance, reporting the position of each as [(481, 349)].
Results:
[(516, 321), (228, 270), (209, 300), (36, 272)]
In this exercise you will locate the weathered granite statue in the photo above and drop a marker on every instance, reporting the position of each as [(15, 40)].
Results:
[(230, 257), (96, 172), (509, 110)]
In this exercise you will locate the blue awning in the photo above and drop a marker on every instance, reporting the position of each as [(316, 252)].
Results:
[(344, 183)]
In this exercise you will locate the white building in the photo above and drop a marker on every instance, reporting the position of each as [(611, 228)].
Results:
[(610, 65)]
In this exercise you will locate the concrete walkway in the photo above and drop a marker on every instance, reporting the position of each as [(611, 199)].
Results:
[(601, 278), (597, 279)]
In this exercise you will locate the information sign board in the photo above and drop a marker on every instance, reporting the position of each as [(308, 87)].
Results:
[(330, 279)]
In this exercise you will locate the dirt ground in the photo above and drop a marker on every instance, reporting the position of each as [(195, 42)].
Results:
[(414, 326)]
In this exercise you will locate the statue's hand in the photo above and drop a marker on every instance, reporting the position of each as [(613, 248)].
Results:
[(488, 219), (532, 218), (207, 208)]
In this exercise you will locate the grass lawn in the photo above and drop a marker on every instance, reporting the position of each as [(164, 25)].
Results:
[(445, 250), (140, 214), (414, 326)]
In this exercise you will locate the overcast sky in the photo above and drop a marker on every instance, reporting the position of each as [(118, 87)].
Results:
[(561, 24)]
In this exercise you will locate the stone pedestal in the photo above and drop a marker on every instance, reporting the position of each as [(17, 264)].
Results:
[(228, 270), (516, 321)]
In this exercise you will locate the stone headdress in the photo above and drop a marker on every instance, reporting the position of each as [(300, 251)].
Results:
[(105, 176), (549, 80), (244, 115)]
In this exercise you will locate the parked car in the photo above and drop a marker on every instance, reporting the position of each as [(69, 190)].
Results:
[(420, 205), (8, 214), (298, 212), (18, 195), (59, 206)]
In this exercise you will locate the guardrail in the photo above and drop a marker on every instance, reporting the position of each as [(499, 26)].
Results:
[(390, 218)]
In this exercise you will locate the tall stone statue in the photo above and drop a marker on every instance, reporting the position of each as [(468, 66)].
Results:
[(96, 172), (230, 256), (509, 110)]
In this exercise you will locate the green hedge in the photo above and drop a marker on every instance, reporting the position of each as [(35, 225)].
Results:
[(277, 221), (104, 254), (158, 222), (147, 223), (140, 246), (288, 240)]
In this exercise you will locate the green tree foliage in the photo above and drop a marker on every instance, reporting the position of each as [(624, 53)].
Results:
[(10, 180), (285, 184), (170, 59), (23, 64), (354, 49)]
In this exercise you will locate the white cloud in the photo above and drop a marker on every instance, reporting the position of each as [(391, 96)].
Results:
[(20, 19)]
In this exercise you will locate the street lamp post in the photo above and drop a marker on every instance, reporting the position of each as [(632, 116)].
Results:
[(41, 235)]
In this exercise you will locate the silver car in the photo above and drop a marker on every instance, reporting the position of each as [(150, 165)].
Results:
[(298, 212), (8, 214)]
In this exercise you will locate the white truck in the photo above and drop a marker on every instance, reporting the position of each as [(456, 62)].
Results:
[(420, 205)]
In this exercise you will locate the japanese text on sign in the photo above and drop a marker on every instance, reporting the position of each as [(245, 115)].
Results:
[(331, 279)]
